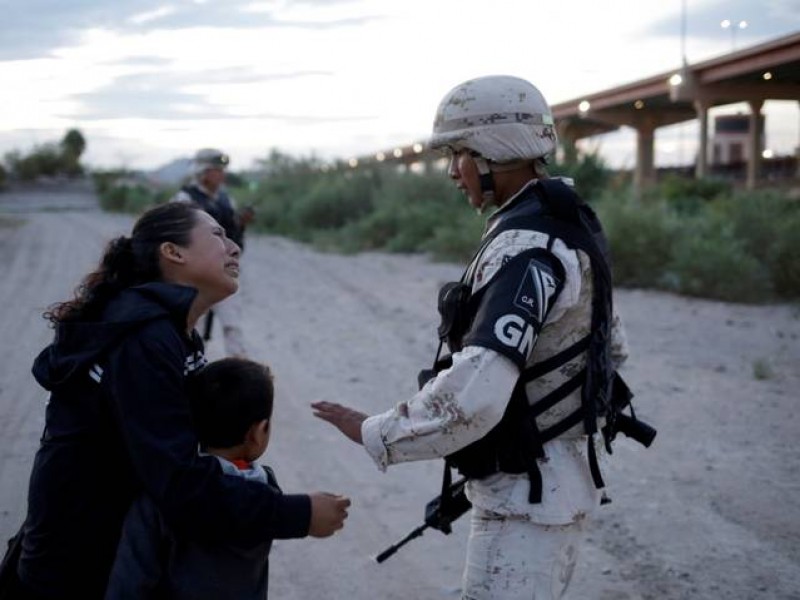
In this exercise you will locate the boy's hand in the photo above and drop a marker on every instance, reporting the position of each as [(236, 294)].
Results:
[(346, 419), (328, 512)]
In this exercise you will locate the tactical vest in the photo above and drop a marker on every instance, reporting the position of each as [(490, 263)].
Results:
[(516, 443), (221, 209)]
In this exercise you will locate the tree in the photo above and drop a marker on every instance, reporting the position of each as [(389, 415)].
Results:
[(72, 146), (73, 143), (49, 159)]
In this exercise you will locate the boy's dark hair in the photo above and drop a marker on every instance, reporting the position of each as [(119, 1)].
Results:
[(227, 397)]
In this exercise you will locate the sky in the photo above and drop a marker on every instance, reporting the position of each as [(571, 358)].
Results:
[(149, 81)]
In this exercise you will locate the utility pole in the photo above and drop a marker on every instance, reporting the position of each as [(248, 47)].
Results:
[(683, 31)]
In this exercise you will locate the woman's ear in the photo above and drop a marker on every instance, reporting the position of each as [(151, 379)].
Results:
[(171, 252)]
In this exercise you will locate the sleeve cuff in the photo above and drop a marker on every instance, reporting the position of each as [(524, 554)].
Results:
[(373, 441), (292, 516)]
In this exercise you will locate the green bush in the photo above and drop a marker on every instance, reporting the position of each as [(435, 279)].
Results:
[(458, 239), (49, 159), (768, 225), (44, 160), (709, 261), (129, 198), (641, 236), (687, 195), (755, 217), (589, 172), (408, 209), (784, 259), (740, 247), (349, 211), (695, 238), (330, 203)]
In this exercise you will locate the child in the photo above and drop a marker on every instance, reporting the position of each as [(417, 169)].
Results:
[(232, 407)]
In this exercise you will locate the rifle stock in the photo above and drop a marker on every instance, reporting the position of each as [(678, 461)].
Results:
[(635, 429)]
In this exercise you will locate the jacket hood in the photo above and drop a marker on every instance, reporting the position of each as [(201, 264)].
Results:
[(77, 344)]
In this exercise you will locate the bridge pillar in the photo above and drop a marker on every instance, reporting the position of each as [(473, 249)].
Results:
[(569, 148), (754, 141), (701, 166), (644, 173), (797, 152)]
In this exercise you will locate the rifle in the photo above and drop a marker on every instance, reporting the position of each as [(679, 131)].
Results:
[(629, 426), (209, 325), (439, 514), (635, 429)]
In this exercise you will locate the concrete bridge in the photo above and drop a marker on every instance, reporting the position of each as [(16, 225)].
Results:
[(769, 71)]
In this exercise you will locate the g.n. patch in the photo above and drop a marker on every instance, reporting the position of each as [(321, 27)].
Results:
[(515, 303), (535, 290)]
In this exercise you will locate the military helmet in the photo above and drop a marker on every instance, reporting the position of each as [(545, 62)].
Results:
[(209, 158), (502, 118)]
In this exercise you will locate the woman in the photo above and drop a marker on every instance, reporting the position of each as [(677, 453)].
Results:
[(118, 422)]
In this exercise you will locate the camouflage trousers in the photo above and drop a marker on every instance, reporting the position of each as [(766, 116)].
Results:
[(513, 558)]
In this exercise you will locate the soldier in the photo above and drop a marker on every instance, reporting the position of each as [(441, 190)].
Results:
[(515, 406)]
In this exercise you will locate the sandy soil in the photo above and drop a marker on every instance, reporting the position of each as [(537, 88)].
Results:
[(709, 512)]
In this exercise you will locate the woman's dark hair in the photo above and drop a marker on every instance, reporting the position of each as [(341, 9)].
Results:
[(227, 397), (128, 261)]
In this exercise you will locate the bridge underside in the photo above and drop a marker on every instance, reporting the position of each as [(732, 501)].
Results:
[(770, 71)]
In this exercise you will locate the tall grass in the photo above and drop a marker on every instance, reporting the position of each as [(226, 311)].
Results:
[(699, 238), (727, 245), (374, 209)]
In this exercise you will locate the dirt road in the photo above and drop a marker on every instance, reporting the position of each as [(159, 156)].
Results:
[(710, 511)]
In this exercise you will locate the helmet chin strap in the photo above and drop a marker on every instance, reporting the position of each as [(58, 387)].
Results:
[(486, 181)]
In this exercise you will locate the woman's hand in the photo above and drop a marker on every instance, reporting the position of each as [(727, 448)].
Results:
[(347, 420), (328, 512)]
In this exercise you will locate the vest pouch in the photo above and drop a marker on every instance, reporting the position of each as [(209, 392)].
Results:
[(511, 447), (453, 308)]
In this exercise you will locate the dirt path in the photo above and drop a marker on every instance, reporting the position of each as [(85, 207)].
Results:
[(710, 511)]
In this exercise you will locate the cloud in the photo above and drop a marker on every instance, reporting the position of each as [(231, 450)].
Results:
[(162, 96), (140, 61), (33, 29), (137, 97)]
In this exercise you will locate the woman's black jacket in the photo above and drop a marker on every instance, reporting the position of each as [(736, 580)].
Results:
[(117, 424)]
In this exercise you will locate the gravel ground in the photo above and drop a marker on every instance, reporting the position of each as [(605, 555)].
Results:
[(709, 512)]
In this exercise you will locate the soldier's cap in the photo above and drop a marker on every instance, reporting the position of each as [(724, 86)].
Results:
[(208, 158)]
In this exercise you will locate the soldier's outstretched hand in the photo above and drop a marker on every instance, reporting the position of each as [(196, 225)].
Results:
[(347, 420)]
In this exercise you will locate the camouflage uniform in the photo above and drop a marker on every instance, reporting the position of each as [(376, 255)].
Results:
[(516, 548)]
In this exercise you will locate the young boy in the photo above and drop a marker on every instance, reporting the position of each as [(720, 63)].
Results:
[(232, 407)]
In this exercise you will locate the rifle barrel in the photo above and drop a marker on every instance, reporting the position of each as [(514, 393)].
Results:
[(395, 547)]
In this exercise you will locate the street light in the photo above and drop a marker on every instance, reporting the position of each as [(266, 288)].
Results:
[(728, 24)]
